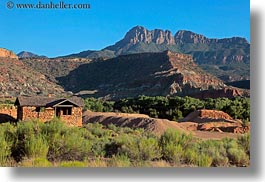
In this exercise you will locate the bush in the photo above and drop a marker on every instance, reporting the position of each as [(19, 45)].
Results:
[(238, 157), (119, 161), (36, 162), (173, 144), (5, 149), (143, 148), (36, 146), (148, 149), (173, 153), (98, 162), (216, 150), (67, 147), (190, 156), (244, 142), (72, 164), (235, 153), (34, 143), (99, 146), (7, 139), (204, 160)]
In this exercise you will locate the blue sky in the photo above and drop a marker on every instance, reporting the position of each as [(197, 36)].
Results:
[(60, 32)]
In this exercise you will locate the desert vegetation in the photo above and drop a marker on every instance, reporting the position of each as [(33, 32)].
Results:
[(36, 144)]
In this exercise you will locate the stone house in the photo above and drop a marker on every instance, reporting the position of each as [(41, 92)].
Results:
[(45, 109)]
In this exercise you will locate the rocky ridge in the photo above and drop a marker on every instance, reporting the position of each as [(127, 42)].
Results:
[(4, 53), (151, 74)]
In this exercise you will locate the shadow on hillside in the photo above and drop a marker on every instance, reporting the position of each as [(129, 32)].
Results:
[(123, 76), (5, 118)]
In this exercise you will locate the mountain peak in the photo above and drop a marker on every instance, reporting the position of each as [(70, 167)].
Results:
[(137, 27), (141, 34), (25, 54)]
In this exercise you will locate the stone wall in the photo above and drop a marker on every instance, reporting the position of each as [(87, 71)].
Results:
[(30, 113), (75, 119), (11, 111)]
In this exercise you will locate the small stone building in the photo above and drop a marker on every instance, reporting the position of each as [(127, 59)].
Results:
[(45, 109)]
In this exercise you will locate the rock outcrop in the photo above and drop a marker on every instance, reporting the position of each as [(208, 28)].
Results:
[(213, 121), (4, 53)]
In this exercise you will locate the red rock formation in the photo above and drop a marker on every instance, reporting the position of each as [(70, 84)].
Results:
[(4, 53)]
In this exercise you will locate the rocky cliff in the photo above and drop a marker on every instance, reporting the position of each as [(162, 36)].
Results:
[(4, 53), (152, 74)]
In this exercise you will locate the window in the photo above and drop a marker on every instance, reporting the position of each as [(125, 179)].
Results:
[(65, 111)]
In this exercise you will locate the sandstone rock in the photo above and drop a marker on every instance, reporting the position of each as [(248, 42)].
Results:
[(204, 116), (4, 53), (213, 121)]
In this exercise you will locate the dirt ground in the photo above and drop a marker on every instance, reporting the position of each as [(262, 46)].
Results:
[(157, 126)]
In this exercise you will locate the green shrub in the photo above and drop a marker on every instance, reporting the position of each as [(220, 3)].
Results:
[(236, 153), (70, 146), (72, 164), (99, 146), (137, 148), (35, 162), (173, 153), (177, 138), (173, 145), (119, 161), (238, 157), (53, 128), (244, 142), (26, 129), (203, 160), (98, 162), (36, 147), (7, 141), (214, 149), (190, 156), (5, 148), (148, 149)]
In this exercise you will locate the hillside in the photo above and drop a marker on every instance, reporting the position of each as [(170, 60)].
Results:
[(18, 79), (53, 68), (150, 74), (134, 121), (205, 51)]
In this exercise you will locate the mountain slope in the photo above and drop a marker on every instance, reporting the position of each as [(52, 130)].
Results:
[(205, 51), (53, 68), (151, 74), (18, 79)]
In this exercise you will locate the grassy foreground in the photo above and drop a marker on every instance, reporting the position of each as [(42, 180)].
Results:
[(53, 144)]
